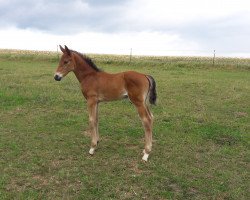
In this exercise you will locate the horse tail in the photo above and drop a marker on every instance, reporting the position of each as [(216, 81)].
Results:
[(152, 90)]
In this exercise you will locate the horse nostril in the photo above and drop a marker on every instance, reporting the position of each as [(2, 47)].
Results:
[(57, 78)]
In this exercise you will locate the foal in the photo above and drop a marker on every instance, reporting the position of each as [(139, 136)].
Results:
[(98, 86)]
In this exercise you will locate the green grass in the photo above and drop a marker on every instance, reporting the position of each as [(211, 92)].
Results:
[(201, 132)]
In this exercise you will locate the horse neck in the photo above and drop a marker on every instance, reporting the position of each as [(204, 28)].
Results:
[(82, 69)]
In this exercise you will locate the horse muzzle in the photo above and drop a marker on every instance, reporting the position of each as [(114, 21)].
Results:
[(57, 77)]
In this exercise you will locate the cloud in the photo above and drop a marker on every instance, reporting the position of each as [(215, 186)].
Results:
[(60, 17), (226, 35), (163, 15), (158, 24), (70, 17), (93, 42), (43, 15)]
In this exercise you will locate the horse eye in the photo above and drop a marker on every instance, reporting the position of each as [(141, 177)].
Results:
[(66, 62)]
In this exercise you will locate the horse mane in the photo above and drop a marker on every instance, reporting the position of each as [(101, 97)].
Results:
[(88, 60)]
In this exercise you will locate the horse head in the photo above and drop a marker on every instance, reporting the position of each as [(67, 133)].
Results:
[(66, 64)]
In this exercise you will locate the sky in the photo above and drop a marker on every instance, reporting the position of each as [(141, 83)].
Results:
[(145, 27)]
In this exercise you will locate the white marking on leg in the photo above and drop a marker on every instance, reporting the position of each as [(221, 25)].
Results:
[(91, 151), (145, 157)]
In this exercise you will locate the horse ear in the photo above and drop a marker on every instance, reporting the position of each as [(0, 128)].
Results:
[(67, 50), (62, 49)]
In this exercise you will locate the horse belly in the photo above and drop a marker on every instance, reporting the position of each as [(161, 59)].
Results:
[(112, 89), (112, 97)]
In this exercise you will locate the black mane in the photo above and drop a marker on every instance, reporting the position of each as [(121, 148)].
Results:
[(88, 60)]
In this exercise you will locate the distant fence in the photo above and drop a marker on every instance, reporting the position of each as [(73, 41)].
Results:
[(198, 58), (186, 53), (192, 57), (211, 57)]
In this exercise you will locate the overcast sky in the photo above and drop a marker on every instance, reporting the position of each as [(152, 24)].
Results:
[(150, 27)]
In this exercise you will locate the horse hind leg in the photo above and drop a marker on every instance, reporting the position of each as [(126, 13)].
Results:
[(150, 113), (147, 122)]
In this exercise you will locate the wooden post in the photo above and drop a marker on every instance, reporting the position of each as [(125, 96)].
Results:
[(130, 57), (214, 58)]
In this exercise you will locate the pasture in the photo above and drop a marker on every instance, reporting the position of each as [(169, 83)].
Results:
[(200, 136)]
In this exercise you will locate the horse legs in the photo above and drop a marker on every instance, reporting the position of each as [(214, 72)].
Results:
[(147, 121), (93, 123)]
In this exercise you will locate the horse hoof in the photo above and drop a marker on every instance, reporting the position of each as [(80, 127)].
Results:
[(145, 157), (91, 151)]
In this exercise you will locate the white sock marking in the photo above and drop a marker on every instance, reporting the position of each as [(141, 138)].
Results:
[(91, 151), (145, 157)]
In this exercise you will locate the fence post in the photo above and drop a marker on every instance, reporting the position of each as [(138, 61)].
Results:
[(130, 57), (214, 58)]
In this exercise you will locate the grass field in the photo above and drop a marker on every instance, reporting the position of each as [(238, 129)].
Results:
[(201, 132)]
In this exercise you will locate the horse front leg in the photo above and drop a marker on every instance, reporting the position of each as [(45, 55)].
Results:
[(93, 123)]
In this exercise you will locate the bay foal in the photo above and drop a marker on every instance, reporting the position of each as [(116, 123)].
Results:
[(98, 86)]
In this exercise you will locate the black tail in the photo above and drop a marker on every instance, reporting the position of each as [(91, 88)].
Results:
[(152, 90)]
